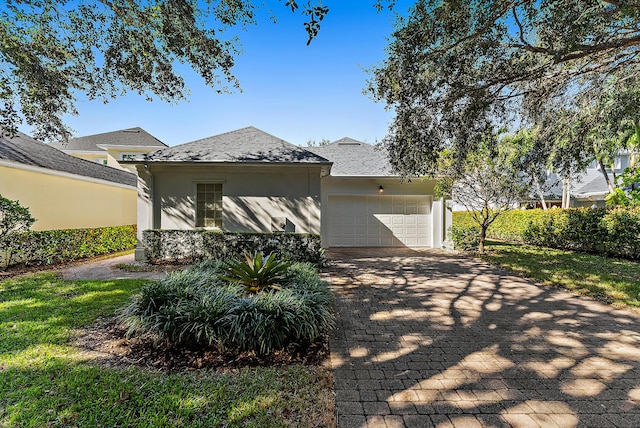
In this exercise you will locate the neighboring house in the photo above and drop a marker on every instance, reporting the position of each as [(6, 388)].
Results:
[(248, 180), (587, 189), (64, 192), (110, 148)]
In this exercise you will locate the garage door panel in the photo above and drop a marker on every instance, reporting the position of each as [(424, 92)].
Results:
[(376, 221)]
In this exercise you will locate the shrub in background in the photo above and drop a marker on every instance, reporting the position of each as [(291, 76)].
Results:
[(197, 307), (611, 231), (623, 232), (14, 220), (57, 246), (466, 238)]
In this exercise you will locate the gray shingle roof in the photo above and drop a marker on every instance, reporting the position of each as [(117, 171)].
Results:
[(355, 158), (124, 137), (589, 183), (25, 150), (243, 145)]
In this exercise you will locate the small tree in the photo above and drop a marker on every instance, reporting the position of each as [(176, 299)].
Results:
[(14, 219), (487, 186)]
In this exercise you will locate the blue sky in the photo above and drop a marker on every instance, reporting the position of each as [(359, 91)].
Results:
[(294, 91)]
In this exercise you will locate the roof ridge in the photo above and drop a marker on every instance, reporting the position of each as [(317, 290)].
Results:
[(233, 132)]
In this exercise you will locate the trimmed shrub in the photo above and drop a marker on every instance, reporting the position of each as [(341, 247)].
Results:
[(614, 232), (508, 226), (57, 246), (196, 307), (623, 232), (466, 238), (187, 246), (611, 231)]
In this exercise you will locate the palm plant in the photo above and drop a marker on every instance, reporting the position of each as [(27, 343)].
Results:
[(256, 273)]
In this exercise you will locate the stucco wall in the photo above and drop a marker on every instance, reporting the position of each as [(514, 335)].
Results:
[(252, 196), (62, 201)]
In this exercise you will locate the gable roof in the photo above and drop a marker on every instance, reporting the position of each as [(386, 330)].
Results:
[(27, 151), (355, 158), (246, 145), (124, 137), (589, 184)]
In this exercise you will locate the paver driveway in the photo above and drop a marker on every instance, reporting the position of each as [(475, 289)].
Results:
[(428, 338)]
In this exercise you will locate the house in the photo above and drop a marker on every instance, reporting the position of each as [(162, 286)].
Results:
[(586, 189), (364, 204), (110, 148), (248, 180), (64, 192)]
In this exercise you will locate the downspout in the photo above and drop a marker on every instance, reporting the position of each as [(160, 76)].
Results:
[(152, 196), (309, 200)]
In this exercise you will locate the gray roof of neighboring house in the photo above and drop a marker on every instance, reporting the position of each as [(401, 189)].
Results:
[(589, 183), (124, 137), (243, 145), (25, 150), (355, 158)]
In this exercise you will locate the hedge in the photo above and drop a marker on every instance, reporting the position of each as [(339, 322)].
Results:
[(610, 231), (57, 246), (187, 246)]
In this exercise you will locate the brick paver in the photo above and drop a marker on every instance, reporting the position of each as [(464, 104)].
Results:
[(429, 338)]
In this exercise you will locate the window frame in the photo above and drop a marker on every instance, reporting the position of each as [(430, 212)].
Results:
[(217, 219)]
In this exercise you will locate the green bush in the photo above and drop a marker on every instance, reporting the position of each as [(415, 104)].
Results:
[(611, 231), (14, 220), (623, 232), (57, 246), (256, 273), (466, 238), (508, 226), (188, 246), (196, 307)]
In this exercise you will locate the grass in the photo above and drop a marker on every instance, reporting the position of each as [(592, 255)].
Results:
[(610, 280), (47, 382)]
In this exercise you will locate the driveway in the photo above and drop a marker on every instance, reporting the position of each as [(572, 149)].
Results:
[(429, 338)]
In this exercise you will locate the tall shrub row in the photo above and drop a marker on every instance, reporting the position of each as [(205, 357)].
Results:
[(614, 232), (57, 246)]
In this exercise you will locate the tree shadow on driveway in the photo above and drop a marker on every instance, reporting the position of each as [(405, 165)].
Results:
[(430, 338)]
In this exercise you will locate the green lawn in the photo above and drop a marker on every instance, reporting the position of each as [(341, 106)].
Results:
[(46, 382), (610, 280)]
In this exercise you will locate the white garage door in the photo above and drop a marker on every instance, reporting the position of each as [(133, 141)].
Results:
[(379, 221)]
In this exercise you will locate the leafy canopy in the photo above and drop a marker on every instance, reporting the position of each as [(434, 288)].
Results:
[(53, 50), (458, 70)]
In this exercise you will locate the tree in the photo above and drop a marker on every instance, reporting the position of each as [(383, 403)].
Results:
[(456, 71), (318, 143), (525, 153), (14, 219), (487, 186), (52, 50)]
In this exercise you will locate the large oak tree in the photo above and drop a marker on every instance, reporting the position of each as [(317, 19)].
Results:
[(53, 50), (457, 70)]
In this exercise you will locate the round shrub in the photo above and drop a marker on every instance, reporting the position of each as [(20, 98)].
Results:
[(196, 307)]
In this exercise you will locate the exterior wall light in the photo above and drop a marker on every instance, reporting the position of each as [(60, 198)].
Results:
[(381, 190)]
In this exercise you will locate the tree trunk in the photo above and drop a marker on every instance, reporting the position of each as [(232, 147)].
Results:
[(483, 236), (564, 193), (606, 176), (539, 190)]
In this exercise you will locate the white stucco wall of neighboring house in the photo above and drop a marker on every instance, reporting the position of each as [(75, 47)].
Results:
[(60, 200), (356, 212), (253, 195)]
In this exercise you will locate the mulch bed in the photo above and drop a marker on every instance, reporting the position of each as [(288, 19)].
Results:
[(107, 344)]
